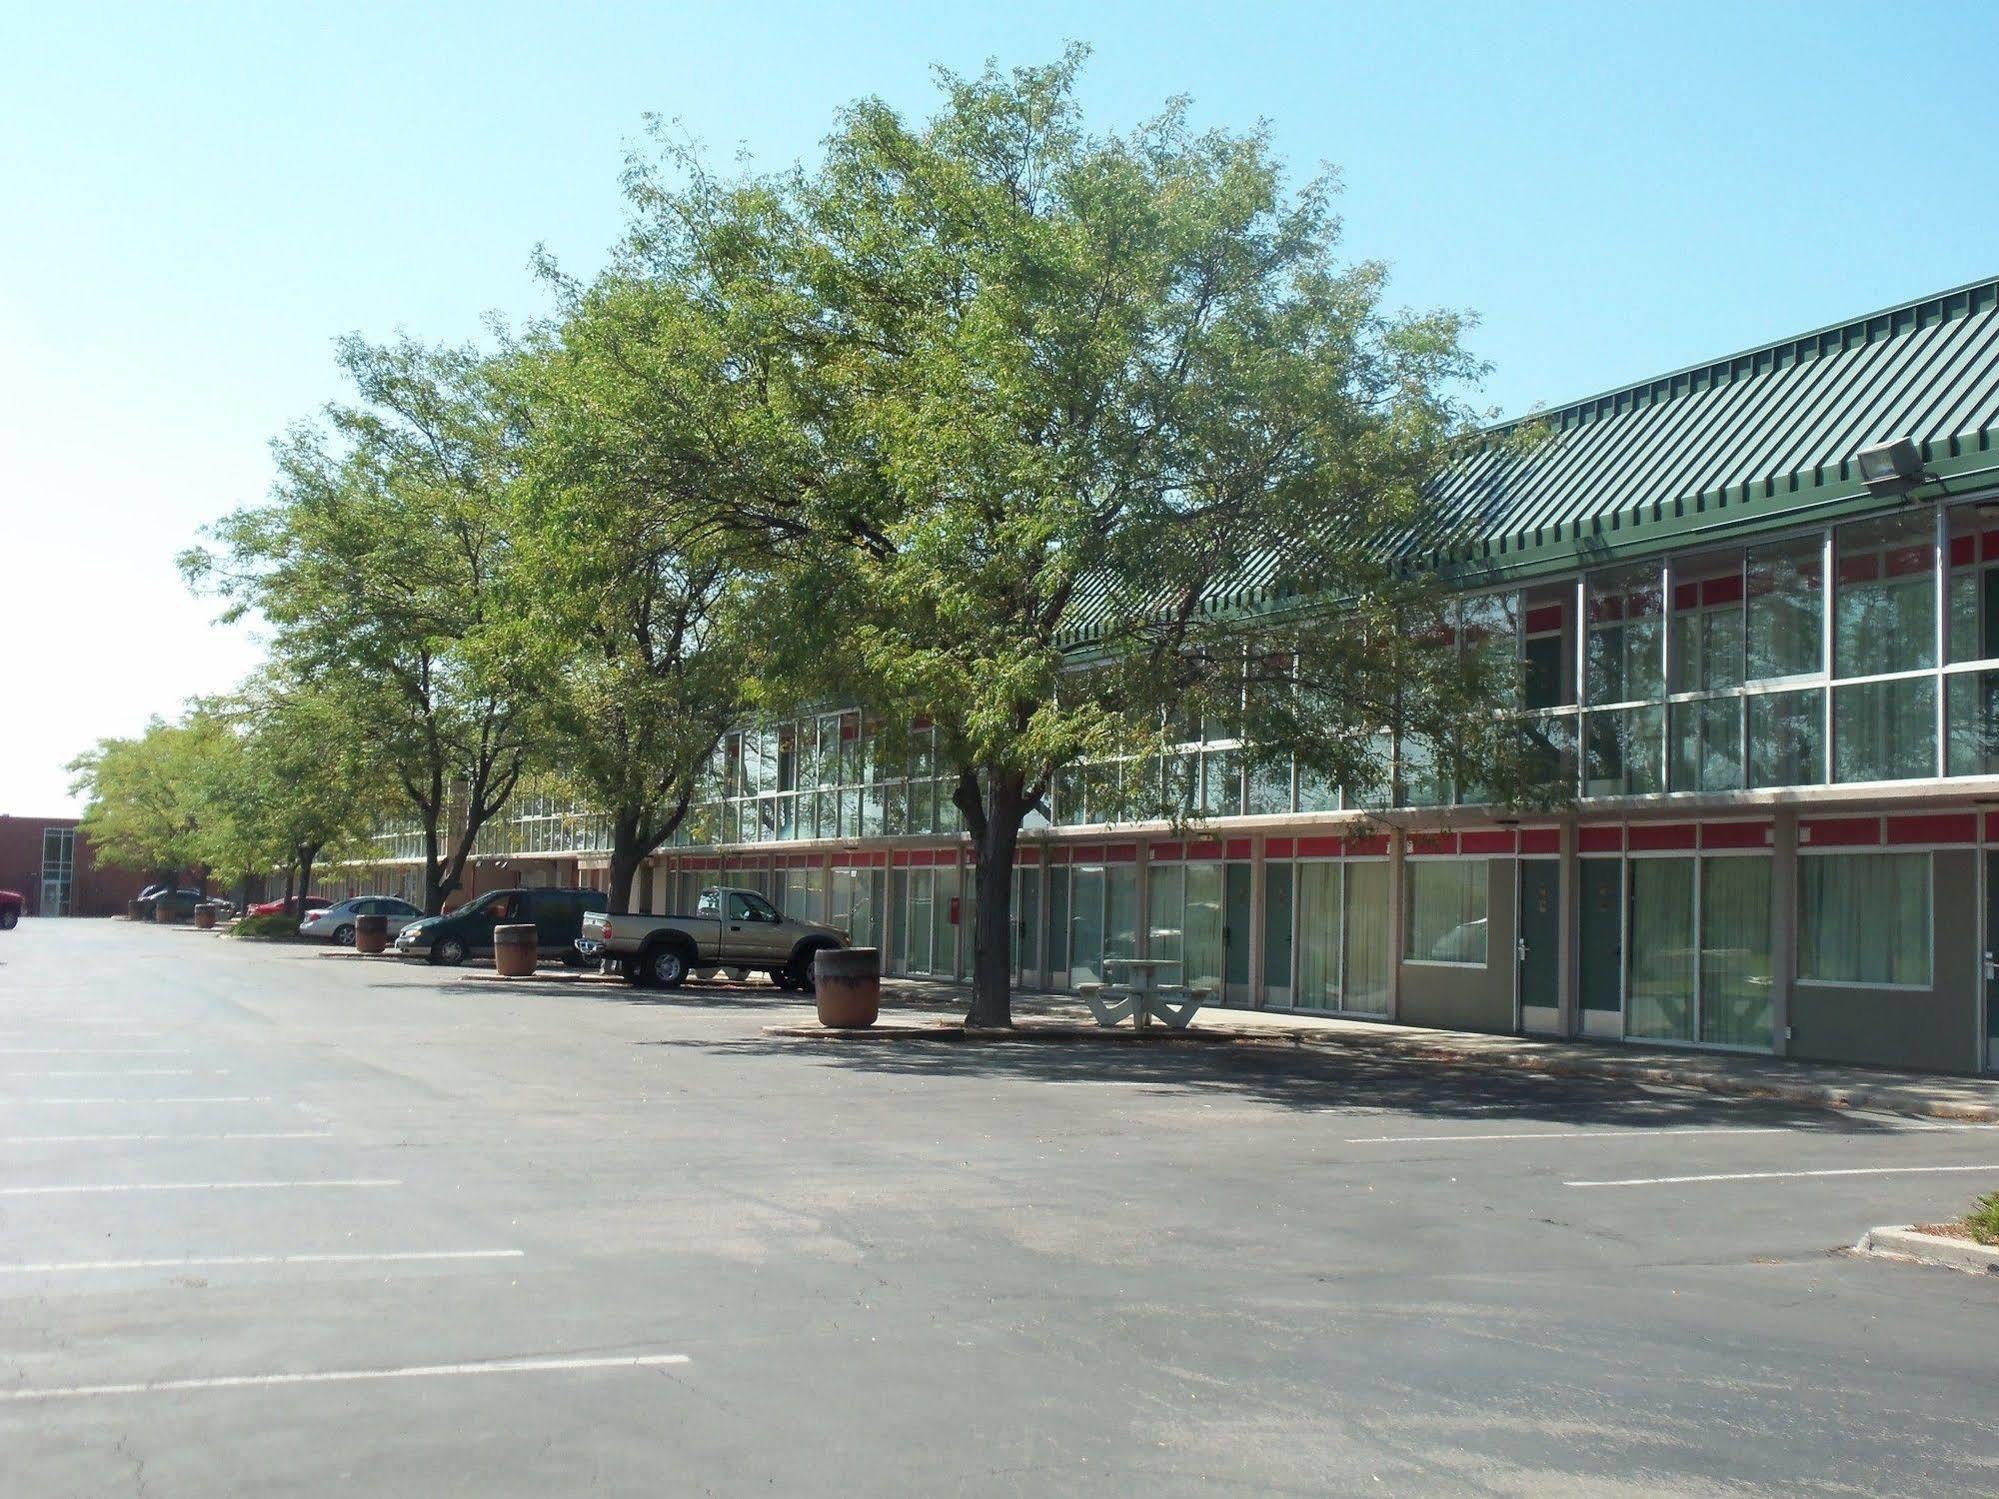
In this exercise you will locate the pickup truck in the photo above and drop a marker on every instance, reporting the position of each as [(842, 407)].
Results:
[(731, 930)]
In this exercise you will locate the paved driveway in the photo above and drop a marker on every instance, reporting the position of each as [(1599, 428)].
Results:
[(278, 1224)]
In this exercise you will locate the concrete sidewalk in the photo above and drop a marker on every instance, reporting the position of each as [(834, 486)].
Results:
[(1056, 1016)]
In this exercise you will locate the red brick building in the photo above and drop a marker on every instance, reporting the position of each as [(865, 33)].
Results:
[(50, 862)]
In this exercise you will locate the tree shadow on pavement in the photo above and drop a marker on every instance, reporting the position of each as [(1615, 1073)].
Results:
[(1355, 1081)]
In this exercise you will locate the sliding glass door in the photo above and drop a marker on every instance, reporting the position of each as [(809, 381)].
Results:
[(1700, 951)]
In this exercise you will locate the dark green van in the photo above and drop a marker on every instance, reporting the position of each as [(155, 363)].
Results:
[(468, 931)]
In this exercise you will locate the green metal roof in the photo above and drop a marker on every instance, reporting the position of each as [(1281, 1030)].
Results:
[(1744, 442), (1755, 441)]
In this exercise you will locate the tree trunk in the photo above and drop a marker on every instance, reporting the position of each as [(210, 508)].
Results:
[(305, 858), (434, 887), (626, 857), (992, 928), (291, 884)]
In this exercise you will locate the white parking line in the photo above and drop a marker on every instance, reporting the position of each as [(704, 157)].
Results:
[(114, 1072), (55, 1267), (1760, 1176), (69, 1189), (93, 1051), (338, 1376), (138, 1139), (229, 1098)]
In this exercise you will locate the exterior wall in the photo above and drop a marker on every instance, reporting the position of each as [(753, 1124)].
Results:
[(1464, 998), (1935, 1029), (95, 890)]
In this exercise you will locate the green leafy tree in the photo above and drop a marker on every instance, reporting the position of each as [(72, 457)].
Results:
[(1052, 438), (144, 796), (628, 619), (380, 565)]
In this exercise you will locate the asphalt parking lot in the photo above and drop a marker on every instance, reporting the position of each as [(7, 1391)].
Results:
[(278, 1224)]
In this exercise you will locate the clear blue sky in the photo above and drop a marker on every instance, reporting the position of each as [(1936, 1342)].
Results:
[(198, 199)]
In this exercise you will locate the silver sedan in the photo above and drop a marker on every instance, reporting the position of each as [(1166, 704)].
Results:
[(336, 923)]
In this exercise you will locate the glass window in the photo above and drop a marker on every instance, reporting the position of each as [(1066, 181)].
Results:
[(1489, 627), (1625, 752), (1203, 924), (1707, 623), (1885, 731), (1974, 582), (1974, 723), (1547, 636), (1426, 777), (1625, 660), (1221, 794), (1735, 952), (1787, 738), (1086, 923), (1785, 608), (1165, 892), (1321, 892), (1368, 951), (1660, 1006), (1707, 745), (1864, 918), (1446, 910), (1884, 618), (1121, 911)]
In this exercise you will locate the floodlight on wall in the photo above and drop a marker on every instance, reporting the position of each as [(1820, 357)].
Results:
[(1890, 467)]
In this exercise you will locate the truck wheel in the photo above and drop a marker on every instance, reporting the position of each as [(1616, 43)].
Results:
[(666, 967), (800, 971)]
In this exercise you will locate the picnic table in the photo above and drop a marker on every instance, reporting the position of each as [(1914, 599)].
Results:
[(1144, 994)]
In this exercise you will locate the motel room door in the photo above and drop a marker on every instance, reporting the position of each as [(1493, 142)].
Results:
[(1990, 967), (1540, 945), (1600, 973)]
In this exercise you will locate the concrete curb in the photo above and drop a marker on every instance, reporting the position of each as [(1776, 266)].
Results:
[(1905, 1243), (1578, 1064)]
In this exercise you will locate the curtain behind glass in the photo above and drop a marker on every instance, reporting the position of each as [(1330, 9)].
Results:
[(1203, 963), (1320, 900), (1121, 912), (1884, 614), (1735, 952), (1786, 608), (1447, 910), (1864, 918), (1165, 892), (1367, 946), (1661, 1006), (1086, 923)]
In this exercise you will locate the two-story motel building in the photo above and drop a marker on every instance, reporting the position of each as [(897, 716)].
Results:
[(1756, 603)]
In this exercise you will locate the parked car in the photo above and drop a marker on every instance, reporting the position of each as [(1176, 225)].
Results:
[(736, 930), (289, 906), (450, 939), (12, 904), (336, 923), (179, 904)]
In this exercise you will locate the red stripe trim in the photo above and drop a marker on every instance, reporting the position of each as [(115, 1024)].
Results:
[(1277, 848), (1657, 836), (1239, 848), (1839, 832), (1491, 841), (1424, 845), (1934, 827), (1540, 840), (1321, 848), (1735, 835), (1600, 840)]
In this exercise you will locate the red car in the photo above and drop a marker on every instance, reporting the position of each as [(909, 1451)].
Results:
[(287, 907), (12, 904)]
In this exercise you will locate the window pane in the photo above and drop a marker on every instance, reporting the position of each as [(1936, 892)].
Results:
[(1707, 623), (1203, 924), (1624, 660), (1490, 628), (1426, 780), (1626, 753), (1735, 952), (1787, 739), (1885, 731), (1974, 724), (1786, 608), (1661, 1005), (1974, 582), (1547, 635), (1885, 616), (1707, 745), (1120, 911), (1164, 894), (1365, 939), (1864, 918), (1447, 910), (1320, 899), (1221, 784)]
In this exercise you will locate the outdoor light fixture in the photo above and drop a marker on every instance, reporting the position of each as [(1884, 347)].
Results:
[(1890, 467)]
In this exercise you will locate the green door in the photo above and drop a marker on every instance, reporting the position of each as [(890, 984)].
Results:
[(1236, 931), (1600, 973), (1990, 967), (1540, 944)]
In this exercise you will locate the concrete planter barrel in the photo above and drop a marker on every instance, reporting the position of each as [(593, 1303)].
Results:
[(164, 914), (204, 917), (132, 911), (371, 934), (847, 984), (513, 950)]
